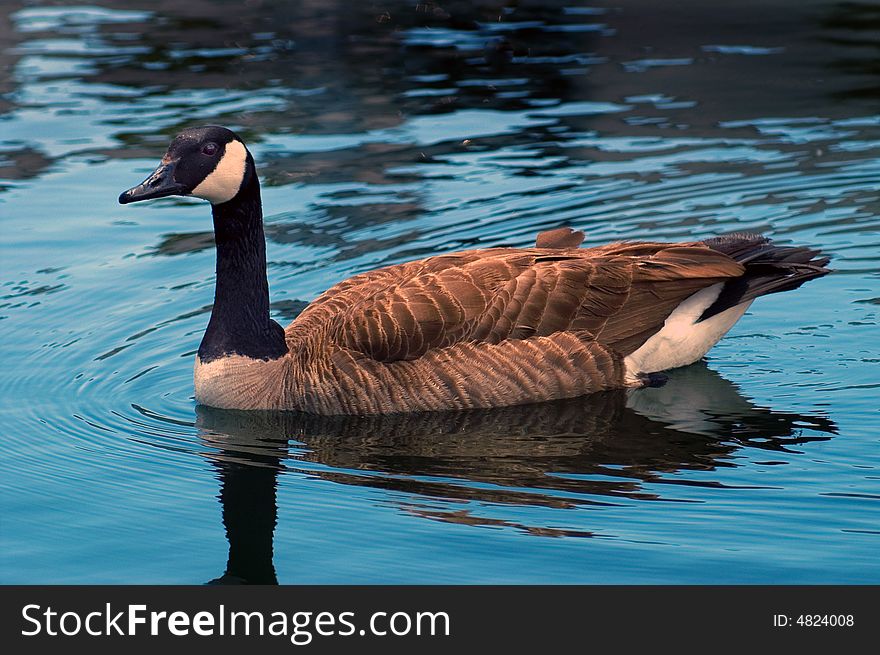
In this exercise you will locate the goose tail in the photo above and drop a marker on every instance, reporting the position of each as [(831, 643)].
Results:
[(699, 322), (769, 268)]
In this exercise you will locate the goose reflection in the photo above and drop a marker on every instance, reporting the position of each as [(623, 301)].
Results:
[(587, 450)]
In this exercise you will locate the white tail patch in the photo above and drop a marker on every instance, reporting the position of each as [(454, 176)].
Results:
[(681, 340), (225, 180)]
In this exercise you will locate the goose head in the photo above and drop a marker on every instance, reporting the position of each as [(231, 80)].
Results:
[(205, 162)]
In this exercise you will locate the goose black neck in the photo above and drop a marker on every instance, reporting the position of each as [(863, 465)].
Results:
[(240, 323)]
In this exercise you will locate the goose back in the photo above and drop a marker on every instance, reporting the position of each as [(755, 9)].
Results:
[(491, 327)]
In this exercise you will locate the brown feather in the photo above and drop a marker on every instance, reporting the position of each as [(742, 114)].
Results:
[(486, 328), (561, 237)]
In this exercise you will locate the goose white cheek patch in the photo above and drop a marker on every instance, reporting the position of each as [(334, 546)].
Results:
[(225, 180)]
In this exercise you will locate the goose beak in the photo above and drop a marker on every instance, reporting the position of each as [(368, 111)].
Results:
[(159, 184)]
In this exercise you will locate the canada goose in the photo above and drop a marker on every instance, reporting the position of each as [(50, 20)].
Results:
[(478, 328)]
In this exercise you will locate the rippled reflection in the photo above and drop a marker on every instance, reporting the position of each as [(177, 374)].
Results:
[(562, 454)]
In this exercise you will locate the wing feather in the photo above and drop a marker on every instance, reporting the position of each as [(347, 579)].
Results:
[(561, 237), (617, 295)]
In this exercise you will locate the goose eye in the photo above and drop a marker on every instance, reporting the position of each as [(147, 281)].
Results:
[(209, 149)]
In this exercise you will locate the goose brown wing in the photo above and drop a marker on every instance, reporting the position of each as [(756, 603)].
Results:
[(661, 281), (617, 295)]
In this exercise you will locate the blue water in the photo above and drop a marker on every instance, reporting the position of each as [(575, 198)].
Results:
[(390, 133)]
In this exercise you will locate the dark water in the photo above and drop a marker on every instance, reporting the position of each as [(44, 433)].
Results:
[(390, 131)]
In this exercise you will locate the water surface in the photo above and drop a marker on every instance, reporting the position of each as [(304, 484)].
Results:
[(389, 131)]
